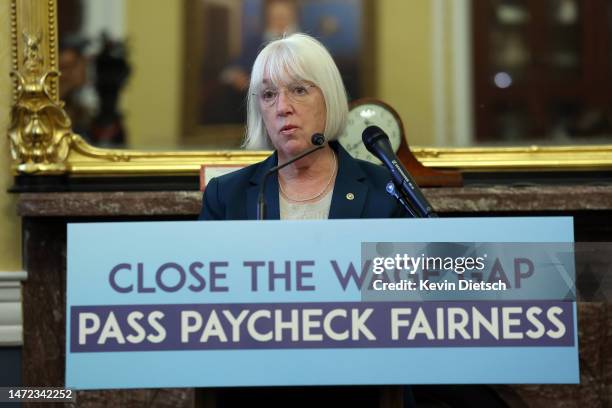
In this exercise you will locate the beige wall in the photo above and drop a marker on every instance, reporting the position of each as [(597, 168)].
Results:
[(10, 236), (152, 100), (405, 65)]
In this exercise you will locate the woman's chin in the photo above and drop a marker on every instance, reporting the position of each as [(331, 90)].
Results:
[(293, 148)]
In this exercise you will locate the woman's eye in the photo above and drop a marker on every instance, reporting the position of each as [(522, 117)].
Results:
[(300, 90), (268, 94)]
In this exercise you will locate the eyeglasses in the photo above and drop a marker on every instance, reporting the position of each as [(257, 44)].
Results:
[(297, 92)]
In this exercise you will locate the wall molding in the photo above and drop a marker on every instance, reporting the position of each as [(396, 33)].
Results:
[(11, 328)]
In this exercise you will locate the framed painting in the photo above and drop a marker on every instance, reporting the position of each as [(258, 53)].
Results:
[(223, 38)]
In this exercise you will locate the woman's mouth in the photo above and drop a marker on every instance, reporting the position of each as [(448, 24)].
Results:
[(288, 129)]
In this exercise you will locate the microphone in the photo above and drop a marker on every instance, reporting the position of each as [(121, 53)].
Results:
[(377, 143), (318, 140)]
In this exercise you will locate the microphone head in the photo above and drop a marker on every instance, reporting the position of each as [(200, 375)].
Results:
[(317, 139), (377, 142), (371, 134)]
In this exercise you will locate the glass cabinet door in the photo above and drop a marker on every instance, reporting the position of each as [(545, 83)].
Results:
[(542, 71), (563, 54)]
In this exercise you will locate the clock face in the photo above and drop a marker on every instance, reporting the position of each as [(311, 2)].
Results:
[(362, 116)]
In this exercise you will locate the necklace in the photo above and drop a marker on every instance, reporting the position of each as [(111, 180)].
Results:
[(317, 195)]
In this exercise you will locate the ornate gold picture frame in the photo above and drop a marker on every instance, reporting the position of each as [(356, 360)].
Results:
[(42, 141)]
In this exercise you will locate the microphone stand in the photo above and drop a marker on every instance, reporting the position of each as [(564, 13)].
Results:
[(261, 199), (401, 196)]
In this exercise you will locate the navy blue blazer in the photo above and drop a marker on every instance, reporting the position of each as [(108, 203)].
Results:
[(234, 196)]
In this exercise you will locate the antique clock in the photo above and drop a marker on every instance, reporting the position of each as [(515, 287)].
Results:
[(366, 112)]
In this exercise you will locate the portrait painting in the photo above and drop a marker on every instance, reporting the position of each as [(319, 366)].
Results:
[(225, 37)]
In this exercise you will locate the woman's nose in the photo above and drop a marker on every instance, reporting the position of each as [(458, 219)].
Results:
[(283, 103)]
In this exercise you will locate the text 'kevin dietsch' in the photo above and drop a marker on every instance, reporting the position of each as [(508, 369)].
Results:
[(429, 286)]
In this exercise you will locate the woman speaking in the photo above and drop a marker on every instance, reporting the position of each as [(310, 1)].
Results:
[(296, 92)]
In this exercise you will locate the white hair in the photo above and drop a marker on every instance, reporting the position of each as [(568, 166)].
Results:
[(298, 57)]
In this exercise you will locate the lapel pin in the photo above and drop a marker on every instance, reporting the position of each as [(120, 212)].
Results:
[(350, 196)]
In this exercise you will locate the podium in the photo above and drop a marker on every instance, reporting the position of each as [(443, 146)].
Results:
[(45, 216)]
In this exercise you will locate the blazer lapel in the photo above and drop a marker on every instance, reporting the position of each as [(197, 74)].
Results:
[(348, 199), (270, 193)]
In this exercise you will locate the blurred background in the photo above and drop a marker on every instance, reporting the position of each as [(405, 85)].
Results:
[(155, 74)]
